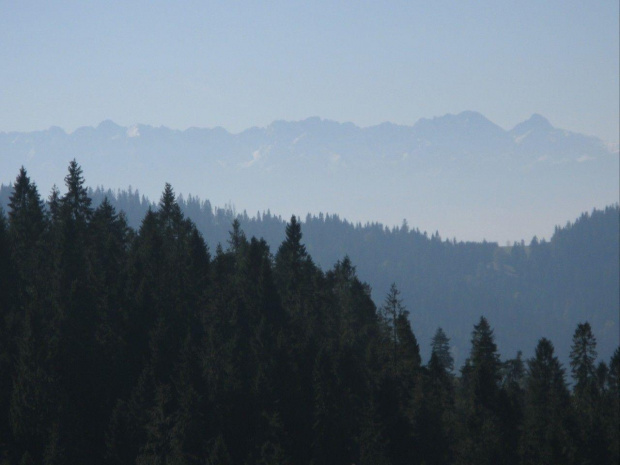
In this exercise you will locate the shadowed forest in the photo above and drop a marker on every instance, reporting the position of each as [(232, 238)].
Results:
[(141, 344), (528, 289)]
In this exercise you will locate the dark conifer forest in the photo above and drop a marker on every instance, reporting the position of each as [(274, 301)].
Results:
[(542, 287), (138, 343)]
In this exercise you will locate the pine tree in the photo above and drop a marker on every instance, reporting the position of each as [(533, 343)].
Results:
[(400, 386), (27, 224), (438, 423), (481, 440), (440, 346), (75, 324), (592, 440), (408, 347), (237, 240), (295, 277), (76, 204), (293, 267), (53, 203), (546, 430), (107, 256), (582, 357), (485, 364), (169, 212), (391, 310)]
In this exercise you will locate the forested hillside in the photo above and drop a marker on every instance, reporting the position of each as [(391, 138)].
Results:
[(146, 346), (530, 289)]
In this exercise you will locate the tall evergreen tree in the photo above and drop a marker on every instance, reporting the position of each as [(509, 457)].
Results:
[(27, 224), (438, 423), (408, 349), (582, 358), (237, 239), (295, 277), (75, 324), (30, 409), (481, 440), (391, 311), (547, 423), (593, 446), (400, 382), (294, 269), (440, 346), (485, 364), (76, 204)]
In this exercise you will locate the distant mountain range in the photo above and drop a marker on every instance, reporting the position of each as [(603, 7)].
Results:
[(460, 174)]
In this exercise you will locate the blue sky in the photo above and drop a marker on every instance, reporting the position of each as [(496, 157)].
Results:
[(242, 64)]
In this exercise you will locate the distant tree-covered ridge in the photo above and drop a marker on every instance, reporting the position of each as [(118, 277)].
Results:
[(122, 345), (529, 289)]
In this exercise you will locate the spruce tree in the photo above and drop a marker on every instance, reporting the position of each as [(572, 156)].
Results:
[(588, 404), (391, 310), (440, 346), (582, 358), (75, 324), (237, 240), (76, 204), (27, 224), (547, 423), (481, 439), (485, 364)]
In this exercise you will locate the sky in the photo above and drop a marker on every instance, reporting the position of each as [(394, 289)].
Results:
[(239, 64)]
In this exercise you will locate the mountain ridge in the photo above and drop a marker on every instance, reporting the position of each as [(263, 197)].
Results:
[(460, 174), (464, 116)]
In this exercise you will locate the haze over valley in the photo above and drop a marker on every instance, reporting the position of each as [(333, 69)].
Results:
[(461, 175)]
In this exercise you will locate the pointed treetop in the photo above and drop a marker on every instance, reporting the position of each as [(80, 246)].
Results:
[(24, 191), (237, 236), (344, 269), (105, 211), (26, 214), (544, 349), (169, 210), (76, 202), (440, 348), (168, 199), (484, 349), (293, 238), (22, 182), (393, 305), (74, 180), (582, 355)]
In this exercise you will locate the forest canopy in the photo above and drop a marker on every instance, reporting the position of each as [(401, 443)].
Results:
[(122, 345)]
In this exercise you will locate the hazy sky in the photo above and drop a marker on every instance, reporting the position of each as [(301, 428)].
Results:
[(243, 64)]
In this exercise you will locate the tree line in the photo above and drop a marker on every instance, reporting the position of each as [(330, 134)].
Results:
[(144, 346), (528, 289)]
